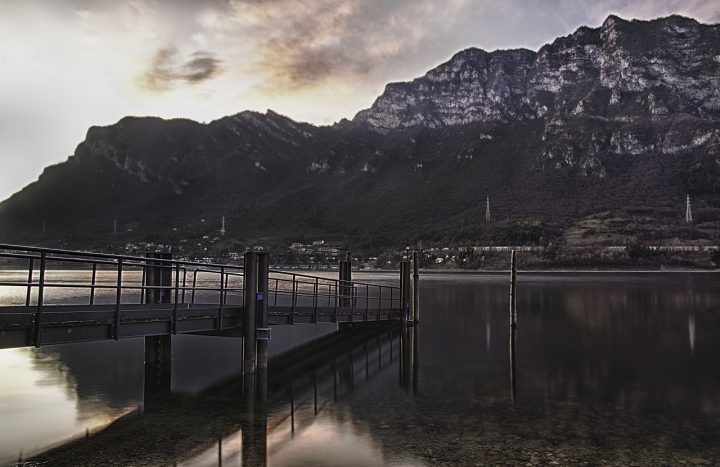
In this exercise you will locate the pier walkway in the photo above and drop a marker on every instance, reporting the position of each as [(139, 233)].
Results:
[(50, 296)]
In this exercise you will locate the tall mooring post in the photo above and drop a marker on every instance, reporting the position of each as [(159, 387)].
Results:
[(513, 300), (513, 323), (250, 309), (263, 331), (416, 286), (405, 292), (345, 278), (513, 377), (248, 419)]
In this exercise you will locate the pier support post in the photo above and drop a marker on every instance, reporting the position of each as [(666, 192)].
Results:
[(416, 286), (261, 410), (406, 355), (158, 274), (513, 301), (262, 310), (513, 378), (405, 292), (416, 357), (158, 349), (250, 309), (248, 418), (158, 366), (345, 276)]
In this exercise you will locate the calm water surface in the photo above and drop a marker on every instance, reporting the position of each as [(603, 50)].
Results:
[(609, 369)]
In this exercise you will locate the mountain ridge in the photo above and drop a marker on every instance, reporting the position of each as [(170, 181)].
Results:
[(624, 116)]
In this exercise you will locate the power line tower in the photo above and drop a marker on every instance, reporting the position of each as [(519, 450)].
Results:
[(688, 212), (487, 210), (222, 230)]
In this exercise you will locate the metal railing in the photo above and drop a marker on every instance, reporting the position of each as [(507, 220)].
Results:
[(121, 279)]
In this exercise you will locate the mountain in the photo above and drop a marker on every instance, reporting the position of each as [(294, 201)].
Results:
[(621, 119)]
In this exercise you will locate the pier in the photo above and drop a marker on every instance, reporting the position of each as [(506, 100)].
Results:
[(112, 297)]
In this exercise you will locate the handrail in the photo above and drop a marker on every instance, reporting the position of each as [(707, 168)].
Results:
[(323, 291), (141, 260)]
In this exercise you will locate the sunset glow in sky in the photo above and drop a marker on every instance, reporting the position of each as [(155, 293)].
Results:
[(70, 64)]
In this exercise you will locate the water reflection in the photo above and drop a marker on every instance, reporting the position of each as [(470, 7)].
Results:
[(604, 367), (69, 404), (274, 417), (691, 330), (343, 443)]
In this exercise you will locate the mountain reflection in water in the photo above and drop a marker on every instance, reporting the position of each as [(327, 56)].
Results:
[(620, 368)]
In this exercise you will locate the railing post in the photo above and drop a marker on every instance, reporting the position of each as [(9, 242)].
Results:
[(92, 289), (262, 310), (118, 298), (41, 292), (316, 291), (177, 295), (294, 299), (250, 308), (182, 300), (222, 299), (142, 286), (192, 295), (30, 281)]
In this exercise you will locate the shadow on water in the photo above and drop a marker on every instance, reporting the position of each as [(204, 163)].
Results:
[(256, 415)]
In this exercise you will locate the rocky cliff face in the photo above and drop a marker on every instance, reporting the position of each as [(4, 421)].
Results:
[(597, 72), (623, 116)]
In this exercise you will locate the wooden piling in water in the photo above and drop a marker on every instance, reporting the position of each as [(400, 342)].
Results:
[(416, 286), (250, 302), (513, 377), (513, 278)]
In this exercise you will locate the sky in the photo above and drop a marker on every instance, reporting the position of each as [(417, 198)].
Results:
[(66, 65)]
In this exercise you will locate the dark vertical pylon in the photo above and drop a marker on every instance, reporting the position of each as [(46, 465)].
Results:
[(158, 273), (513, 301), (345, 276), (416, 286), (513, 392), (405, 292), (250, 309), (262, 310)]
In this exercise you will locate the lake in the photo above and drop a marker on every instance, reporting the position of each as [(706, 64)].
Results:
[(608, 369)]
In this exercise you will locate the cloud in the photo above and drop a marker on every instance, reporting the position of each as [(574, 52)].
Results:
[(169, 69), (301, 45)]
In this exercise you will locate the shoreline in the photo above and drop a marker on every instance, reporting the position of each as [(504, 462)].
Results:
[(546, 271)]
